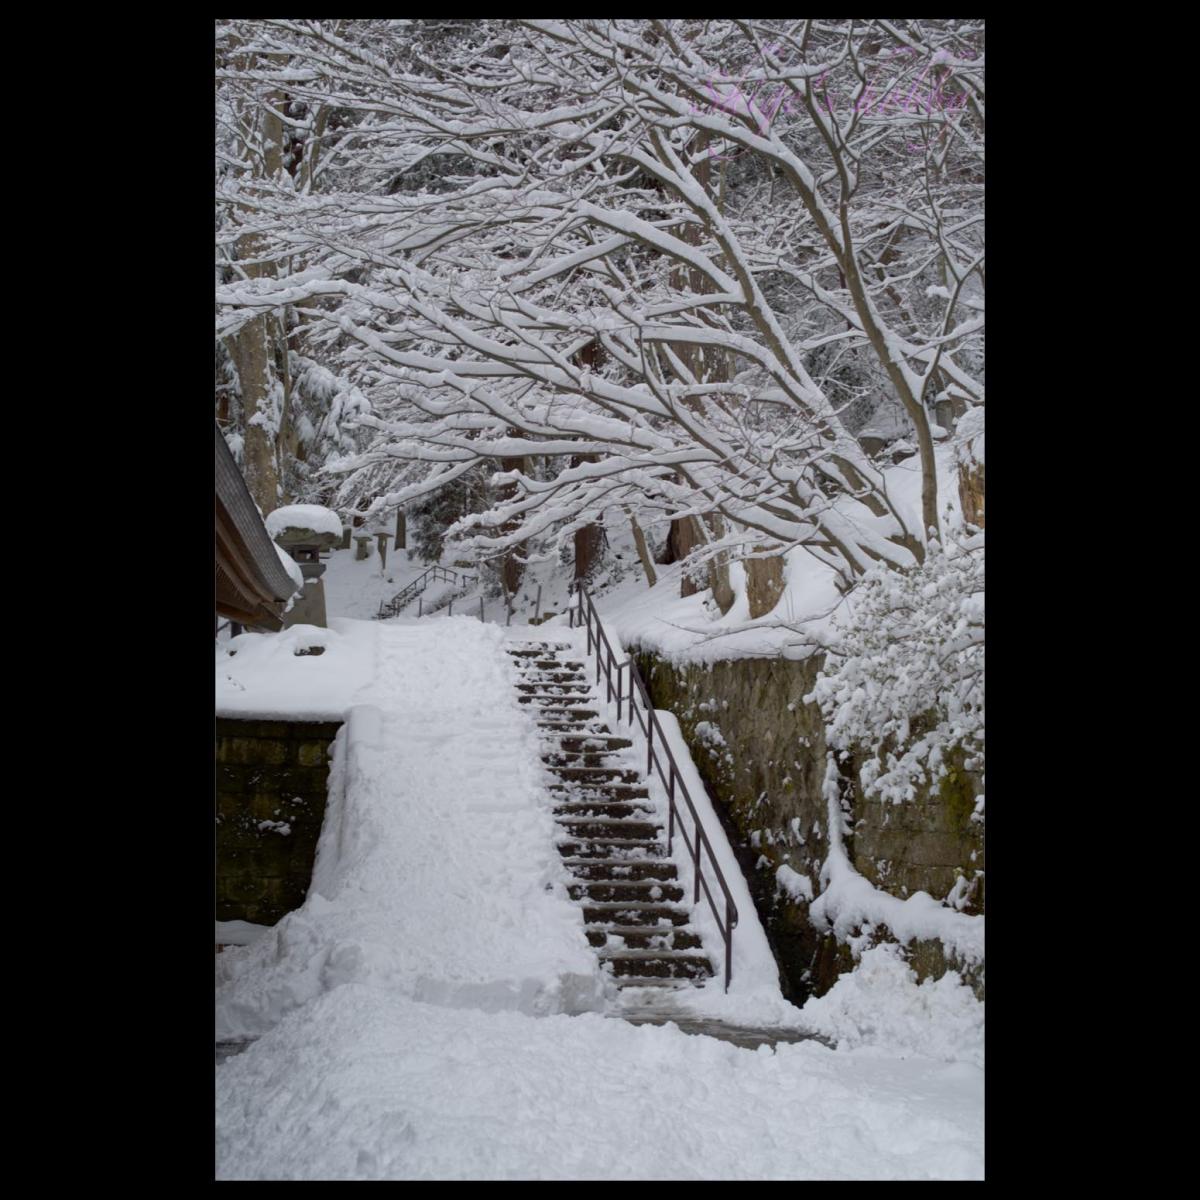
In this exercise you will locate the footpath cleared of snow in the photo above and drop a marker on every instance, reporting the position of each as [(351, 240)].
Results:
[(365, 1084), (436, 873)]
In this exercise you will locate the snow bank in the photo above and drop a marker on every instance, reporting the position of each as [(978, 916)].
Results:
[(849, 900), (267, 675), (363, 1084), (304, 516), (436, 873), (880, 1004)]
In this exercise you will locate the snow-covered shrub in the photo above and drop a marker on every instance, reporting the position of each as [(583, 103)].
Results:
[(902, 684)]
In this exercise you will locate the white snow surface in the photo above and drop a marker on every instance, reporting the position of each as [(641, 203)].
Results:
[(364, 1083), (436, 874), (304, 516), (880, 1005), (265, 675), (412, 1016)]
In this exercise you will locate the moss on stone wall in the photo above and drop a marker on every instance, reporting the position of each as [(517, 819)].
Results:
[(270, 805)]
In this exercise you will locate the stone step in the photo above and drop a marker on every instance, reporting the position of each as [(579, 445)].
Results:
[(621, 870), (557, 715), (550, 726), (539, 649), (646, 891), (631, 913), (604, 808), (657, 964), (643, 937), (554, 691), (593, 744), (593, 829), (613, 793), (665, 984), (610, 848), (555, 678), (595, 775), (582, 758)]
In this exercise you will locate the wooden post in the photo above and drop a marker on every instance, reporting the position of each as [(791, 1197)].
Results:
[(401, 530)]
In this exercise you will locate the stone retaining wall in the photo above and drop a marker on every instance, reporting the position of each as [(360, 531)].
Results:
[(761, 751), (271, 790)]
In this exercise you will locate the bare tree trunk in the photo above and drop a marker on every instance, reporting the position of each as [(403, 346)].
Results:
[(252, 347), (511, 569), (970, 485), (639, 540), (684, 537), (587, 551), (764, 583), (249, 349)]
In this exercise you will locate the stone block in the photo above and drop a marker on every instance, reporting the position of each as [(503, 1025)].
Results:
[(253, 727), (312, 754), (260, 752)]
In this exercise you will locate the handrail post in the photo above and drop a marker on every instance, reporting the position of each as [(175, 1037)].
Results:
[(728, 945), (696, 864), (649, 741), (671, 799)]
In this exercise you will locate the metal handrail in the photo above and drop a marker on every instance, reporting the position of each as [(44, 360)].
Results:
[(607, 664), (435, 574)]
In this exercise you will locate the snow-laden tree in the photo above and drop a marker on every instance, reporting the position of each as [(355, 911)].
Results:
[(283, 411), (761, 225), (902, 685)]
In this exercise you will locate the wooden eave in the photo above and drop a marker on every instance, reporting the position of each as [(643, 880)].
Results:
[(251, 585)]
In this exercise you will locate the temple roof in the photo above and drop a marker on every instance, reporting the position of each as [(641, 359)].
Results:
[(252, 586)]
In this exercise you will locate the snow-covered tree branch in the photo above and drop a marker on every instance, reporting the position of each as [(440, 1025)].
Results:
[(751, 226)]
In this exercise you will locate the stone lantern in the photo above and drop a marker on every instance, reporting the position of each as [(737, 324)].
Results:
[(304, 530)]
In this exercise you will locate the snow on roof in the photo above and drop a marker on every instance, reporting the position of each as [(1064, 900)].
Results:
[(304, 516)]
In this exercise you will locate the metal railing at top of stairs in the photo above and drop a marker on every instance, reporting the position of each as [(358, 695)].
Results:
[(434, 574), (606, 664)]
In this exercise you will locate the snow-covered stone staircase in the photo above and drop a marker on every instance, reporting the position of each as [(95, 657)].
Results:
[(612, 837)]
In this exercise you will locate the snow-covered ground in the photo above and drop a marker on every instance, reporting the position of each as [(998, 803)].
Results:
[(365, 1083), (436, 874), (433, 1010)]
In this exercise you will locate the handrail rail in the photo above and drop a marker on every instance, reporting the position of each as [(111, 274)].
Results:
[(649, 724), (415, 587)]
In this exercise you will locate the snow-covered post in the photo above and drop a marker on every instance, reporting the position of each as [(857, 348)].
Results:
[(381, 540)]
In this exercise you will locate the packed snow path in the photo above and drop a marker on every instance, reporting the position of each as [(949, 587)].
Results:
[(612, 832)]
